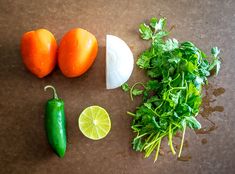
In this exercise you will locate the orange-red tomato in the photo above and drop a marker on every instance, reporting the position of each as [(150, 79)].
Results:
[(77, 52), (38, 50)]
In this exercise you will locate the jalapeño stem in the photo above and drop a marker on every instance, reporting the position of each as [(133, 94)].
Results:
[(54, 90)]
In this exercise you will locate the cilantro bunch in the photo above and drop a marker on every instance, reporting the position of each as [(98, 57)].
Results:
[(172, 96)]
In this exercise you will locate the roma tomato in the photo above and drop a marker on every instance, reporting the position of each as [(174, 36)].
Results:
[(38, 50), (77, 52)]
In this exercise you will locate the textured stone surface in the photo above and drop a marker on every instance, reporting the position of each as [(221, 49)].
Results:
[(23, 145)]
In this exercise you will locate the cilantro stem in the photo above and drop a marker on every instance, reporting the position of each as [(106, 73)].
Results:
[(182, 141), (177, 125), (186, 97), (151, 148), (173, 80), (159, 106), (130, 113), (170, 140), (177, 88), (149, 138), (141, 135), (182, 84), (138, 83), (157, 152), (153, 141), (154, 112)]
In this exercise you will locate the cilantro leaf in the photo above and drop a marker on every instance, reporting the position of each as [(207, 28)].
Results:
[(158, 24), (145, 32), (216, 62), (215, 51), (137, 144), (137, 92), (192, 122), (171, 44), (125, 87)]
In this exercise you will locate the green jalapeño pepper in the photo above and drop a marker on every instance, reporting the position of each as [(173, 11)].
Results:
[(55, 123)]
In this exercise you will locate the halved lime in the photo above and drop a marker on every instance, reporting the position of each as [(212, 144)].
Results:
[(94, 122)]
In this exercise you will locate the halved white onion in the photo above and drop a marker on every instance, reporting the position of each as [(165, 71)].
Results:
[(119, 62)]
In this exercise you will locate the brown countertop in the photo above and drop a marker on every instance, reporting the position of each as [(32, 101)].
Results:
[(23, 145)]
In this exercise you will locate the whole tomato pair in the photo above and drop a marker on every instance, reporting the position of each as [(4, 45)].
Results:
[(75, 54)]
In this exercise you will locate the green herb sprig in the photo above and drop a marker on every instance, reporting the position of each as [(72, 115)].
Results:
[(172, 96)]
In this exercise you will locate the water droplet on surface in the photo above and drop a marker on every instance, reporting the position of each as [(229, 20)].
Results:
[(204, 141)]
